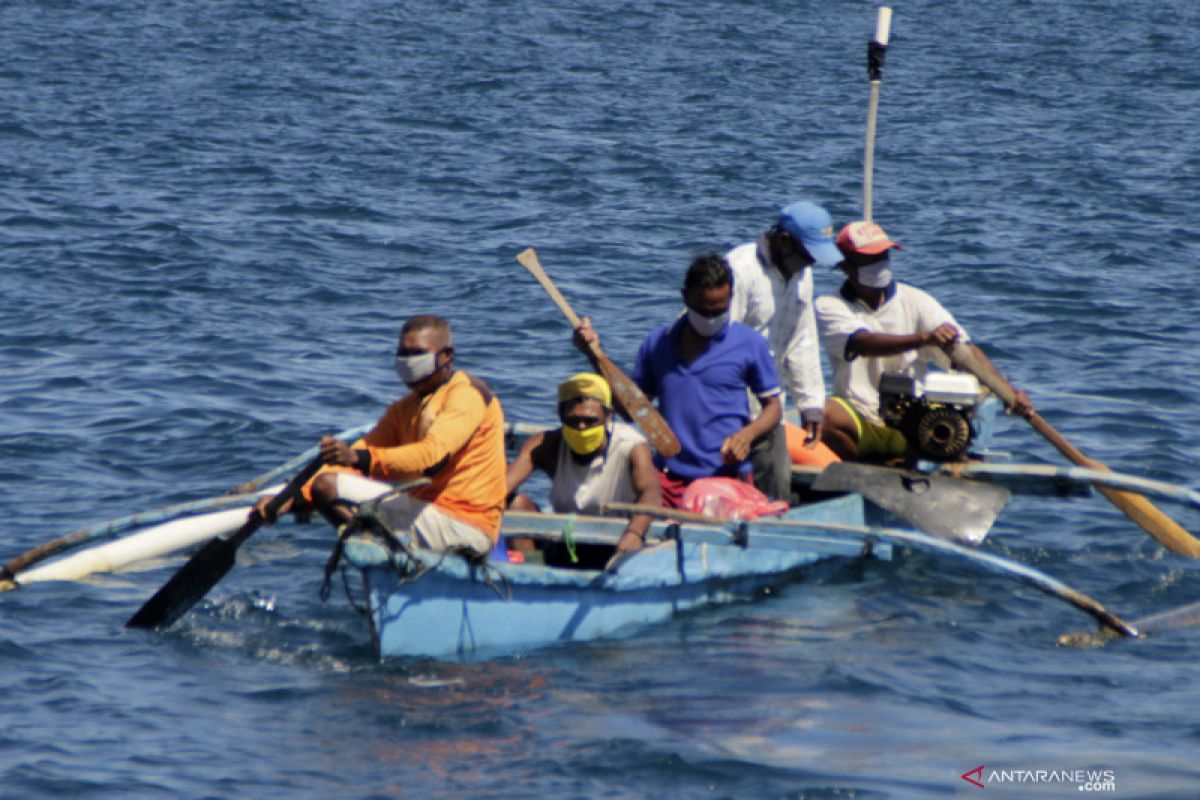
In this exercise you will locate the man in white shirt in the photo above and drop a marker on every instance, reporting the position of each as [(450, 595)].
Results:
[(772, 293), (875, 325)]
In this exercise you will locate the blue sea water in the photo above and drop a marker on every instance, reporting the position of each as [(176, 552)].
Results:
[(214, 216)]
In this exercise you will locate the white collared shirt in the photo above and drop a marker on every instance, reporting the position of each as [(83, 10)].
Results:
[(782, 311), (905, 310)]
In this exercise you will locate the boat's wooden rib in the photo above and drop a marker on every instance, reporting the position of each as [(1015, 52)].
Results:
[(1185, 616), (772, 529), (1042, 479)]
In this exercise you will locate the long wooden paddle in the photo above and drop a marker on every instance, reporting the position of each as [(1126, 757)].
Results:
[(876, 50), (206, 568), (1147, 515), (636, 404)]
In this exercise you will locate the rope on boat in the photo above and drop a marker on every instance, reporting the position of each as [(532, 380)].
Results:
[(568, 537)]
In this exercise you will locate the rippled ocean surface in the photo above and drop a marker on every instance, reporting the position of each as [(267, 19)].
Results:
[(214, 216)]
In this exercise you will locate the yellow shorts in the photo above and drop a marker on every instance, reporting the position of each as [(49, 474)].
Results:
[(875, 440)]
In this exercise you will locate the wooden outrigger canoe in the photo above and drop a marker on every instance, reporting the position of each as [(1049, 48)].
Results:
[(419, 604), (459, 610)]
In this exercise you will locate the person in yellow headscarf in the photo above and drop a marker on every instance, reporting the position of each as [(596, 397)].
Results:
[(592, 459)]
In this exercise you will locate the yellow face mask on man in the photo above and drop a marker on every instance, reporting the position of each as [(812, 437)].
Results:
[(584, 386), (584, 442)]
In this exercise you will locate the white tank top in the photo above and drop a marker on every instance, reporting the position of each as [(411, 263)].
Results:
[(586, 488)]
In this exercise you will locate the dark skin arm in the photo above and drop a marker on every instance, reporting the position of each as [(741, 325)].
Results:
[(1022, 406), (865, 343), (645, 481), (584, 339), (533, 455), (334, 452), (736, 446)]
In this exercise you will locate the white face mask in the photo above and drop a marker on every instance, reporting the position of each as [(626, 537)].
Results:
[(707, 327), (876, 276), (414, 369)]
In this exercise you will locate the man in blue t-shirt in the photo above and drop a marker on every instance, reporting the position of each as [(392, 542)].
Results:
[(699, 368)]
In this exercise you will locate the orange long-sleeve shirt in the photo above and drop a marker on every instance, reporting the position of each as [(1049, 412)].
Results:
[(455, 437)]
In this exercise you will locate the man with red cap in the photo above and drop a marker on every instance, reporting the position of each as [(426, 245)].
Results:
[(875, 325)]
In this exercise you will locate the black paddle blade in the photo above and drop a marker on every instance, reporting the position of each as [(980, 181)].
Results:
[(187, 586), (207, 567)]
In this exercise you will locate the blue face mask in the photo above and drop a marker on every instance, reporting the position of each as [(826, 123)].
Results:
[(707, 327)]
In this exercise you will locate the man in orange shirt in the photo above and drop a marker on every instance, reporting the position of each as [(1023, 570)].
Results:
[(449, 429)]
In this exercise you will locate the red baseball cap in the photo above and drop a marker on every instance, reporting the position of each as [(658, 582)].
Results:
[(864, 237)]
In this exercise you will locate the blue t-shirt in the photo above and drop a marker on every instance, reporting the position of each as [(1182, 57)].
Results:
[(705, 401)]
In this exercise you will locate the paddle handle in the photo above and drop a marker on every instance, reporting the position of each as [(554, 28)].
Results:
[(529, 260), (635, 402), (1148, 516)]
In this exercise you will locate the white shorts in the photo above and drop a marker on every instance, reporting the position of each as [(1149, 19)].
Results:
[(434, 529)]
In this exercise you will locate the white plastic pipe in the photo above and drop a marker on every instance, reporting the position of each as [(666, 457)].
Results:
[(883, 25)]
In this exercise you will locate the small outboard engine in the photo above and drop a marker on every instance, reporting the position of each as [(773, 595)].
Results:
[(934, 415)]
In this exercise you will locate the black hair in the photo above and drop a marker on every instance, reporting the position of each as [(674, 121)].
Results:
[(425, 322), (707, 271)]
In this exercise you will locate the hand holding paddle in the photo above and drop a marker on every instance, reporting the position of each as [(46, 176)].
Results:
[(205, 569), (627, 393), (1147, 515)]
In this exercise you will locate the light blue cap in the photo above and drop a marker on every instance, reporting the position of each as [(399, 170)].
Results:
[(812, 225)]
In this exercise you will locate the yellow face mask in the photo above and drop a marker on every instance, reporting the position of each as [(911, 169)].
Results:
[(584, 442)]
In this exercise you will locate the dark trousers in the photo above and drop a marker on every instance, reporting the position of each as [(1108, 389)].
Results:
[(772, 464)]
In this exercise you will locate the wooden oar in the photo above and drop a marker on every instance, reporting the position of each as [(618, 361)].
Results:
[(766, 528), (205, 569), (1147, 515), (639, 408), (876, 50)]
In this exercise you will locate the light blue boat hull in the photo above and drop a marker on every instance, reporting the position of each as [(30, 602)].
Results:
[(456, 611)]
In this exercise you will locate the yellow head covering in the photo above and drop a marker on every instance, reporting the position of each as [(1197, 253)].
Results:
[(585, 384)]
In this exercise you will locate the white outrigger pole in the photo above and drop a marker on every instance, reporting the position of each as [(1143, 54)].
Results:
[(876, 50)]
